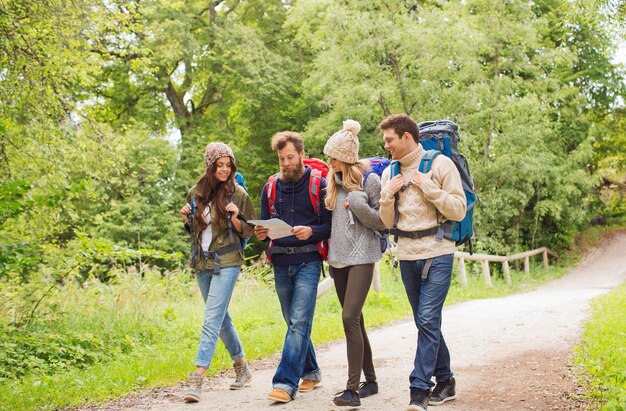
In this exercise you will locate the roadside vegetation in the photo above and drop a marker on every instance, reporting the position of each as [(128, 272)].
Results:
[(91, 343), (600, 356)]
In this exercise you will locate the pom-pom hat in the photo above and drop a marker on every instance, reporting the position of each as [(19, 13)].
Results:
[(344, 145)]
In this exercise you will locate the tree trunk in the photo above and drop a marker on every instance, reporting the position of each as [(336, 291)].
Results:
[(494, 114)]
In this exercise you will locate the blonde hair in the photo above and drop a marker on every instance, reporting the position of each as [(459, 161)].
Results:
[(351, 176)]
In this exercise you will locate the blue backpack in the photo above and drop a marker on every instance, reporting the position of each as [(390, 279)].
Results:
[(442, 137), (377, 166)]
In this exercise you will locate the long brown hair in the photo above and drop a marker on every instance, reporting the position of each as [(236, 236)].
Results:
[(351, 177), (211, 190)]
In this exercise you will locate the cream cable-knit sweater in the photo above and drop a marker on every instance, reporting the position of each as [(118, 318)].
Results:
[(418, 208)]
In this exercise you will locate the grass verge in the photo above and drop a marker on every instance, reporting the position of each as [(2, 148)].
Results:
[(601, 354), (142, 332)]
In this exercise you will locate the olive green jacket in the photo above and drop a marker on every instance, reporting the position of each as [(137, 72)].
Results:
[(221, 236)]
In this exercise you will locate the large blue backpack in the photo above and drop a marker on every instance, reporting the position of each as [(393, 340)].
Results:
[(442, 137)]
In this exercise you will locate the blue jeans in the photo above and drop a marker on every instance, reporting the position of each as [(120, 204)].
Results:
[(217, 291), (426, 297), (296, 286)]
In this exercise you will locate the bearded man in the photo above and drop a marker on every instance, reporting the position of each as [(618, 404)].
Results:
[(297, 264)]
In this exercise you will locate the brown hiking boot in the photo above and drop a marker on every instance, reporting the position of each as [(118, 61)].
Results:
[(194, 387), (242, 375), (279, 395), (308, 385)]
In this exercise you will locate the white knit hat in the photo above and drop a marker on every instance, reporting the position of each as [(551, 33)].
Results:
[(344, 145)]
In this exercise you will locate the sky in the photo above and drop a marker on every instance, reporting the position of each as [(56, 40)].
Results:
[(620, 55)]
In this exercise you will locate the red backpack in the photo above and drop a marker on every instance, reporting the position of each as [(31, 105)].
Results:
[(319, 170)]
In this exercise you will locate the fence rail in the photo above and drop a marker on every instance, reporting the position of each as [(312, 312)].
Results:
[(460, 257), (485, 259)]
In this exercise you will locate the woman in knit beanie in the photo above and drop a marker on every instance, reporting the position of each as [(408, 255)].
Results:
[(353, 196), (212, 216)]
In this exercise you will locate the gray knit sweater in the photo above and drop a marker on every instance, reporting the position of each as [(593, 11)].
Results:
[(353, 241)]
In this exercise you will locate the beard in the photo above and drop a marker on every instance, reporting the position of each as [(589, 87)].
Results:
[(293, 175)]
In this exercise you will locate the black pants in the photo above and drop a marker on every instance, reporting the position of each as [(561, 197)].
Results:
[(352, 285)]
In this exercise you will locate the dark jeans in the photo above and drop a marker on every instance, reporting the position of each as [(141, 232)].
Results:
[(426, 297), (296, 286), (352, 284)]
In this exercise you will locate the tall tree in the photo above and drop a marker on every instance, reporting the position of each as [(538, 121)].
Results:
[(217, 70)]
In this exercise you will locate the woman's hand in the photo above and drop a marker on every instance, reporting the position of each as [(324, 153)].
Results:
[(233, 210), (184, 211)]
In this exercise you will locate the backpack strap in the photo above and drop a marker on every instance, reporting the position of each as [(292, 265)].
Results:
[(427, 160), (364, 179), (193, 204), (271, 194), (315, 186), (231, 228), (424, 167)]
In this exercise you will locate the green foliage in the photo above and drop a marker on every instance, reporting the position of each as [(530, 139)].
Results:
[(111, 339), (107, 108), (601, 354), (514, 75)]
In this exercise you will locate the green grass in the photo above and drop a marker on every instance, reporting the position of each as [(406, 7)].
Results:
[(601, 354), (141, 333)]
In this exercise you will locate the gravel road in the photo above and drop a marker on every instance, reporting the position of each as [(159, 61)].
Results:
[(507, 353)]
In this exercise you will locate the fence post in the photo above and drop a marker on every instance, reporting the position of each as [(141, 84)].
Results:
[(506, 271), (486, 273), (461, 270), (526, 264), (545, 259), (326, 285), (376, 279)]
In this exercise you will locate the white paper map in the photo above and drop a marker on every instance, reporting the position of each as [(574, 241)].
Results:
[(278, 228)]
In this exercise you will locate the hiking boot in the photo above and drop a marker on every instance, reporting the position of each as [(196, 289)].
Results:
[(419, 400), (194, 387), (348, 398), (242, 375), (279, 395), (443, 391), (308, 385), (368, 388)]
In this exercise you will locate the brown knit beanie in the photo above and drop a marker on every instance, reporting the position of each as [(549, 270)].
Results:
[(217, 150), (344, 145)]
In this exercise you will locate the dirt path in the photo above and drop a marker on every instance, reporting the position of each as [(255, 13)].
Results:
[(507, 353)]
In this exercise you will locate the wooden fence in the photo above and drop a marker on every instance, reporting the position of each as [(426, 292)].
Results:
[(485, 259), (460, 257)]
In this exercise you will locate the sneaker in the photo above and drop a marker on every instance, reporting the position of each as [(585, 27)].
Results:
[(194, 387), (242, 375), (308, 385), (419, 400), (348, 398), (443, 391), (368, 388), (279, 395)]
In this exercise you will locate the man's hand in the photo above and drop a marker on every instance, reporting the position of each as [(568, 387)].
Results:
[(184, 211), (419, 178), (396, 183), (302, 232), (261, 232)]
